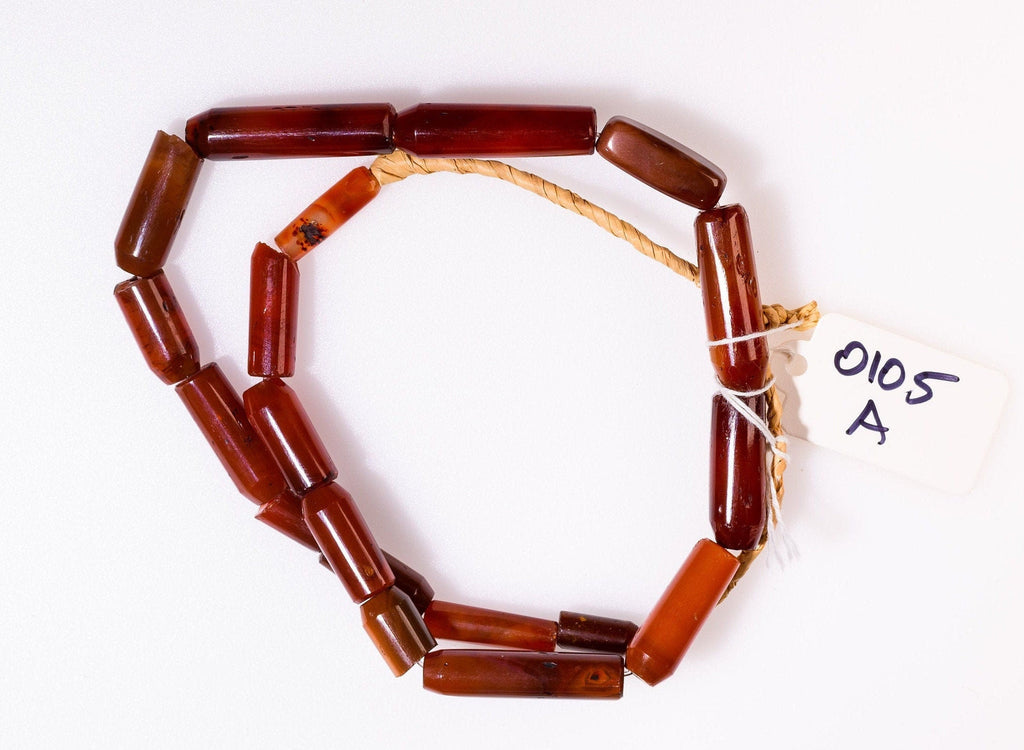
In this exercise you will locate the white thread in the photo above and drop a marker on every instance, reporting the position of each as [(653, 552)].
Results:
[(756, 335)]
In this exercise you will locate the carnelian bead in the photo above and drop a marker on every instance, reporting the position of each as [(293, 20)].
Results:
[(284, 513), (458, 622), (670, 628), (594, 633), (411, 582), (328, 212), (492, 130), (218, 411), (273, 313), (738, 502), (666, 165), (346, 541), (311, 130), (285, 428), (156, 206), (732, 302), (159, 327), (525, 674), (396, 629)]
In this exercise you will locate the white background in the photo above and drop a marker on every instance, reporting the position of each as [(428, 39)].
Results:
[(518, 402)]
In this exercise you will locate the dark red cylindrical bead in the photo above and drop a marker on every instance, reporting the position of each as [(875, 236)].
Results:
[(458, 622), (666, 165), (289, 131), (285, 428), (396, 629), (732, 301), (284, 513), (738, 501), (412, 582), (159, 327), (491, 130), (156, 206), (273, 313), (525, 674), (218, 411), (670, 628), (346, 541), (594, 633)]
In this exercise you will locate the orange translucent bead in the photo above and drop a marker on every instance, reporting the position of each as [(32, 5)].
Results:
[(156, 206), (396, 629), (284, 513), (159, 327), (328, 212), (458, 622), (273, 313), (670, 628)]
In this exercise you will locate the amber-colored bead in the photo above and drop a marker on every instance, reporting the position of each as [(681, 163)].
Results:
[(273, 313), (738, 474), (594, 633), (411, 582), (218, 411), (732, 302), (524, 674), (311, 130), (664, 164), (284, 513), (458, 622), (346, 541), (396, 629), (328, 212), (157, 205), (159, 327), (670, 628), (474, 130), (285, 428)]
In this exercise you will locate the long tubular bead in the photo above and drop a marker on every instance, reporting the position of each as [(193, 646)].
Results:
[(670, 628), (284, 513), (662, 163), (396, 629), (732, 302), (458, 622), (594, 633), (492, 130), (524, 674), (156, 206), (346, 541), (411, 581), (273, 313), (309, 130), (328, 212), (159, 327), (285, 428), (738, 501), (218, 412)]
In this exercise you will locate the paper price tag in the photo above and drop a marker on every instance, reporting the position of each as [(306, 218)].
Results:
[(893, 402)]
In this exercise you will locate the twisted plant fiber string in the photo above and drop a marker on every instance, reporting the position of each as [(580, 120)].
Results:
[(398, 165)]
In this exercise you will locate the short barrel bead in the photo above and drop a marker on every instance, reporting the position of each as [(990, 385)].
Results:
[(576, 630), (273, 313), (670, 628), (492, 130), (284, 513), (291, 131), (156, 206), (662, 163), (411, 581), (396, 629), (738, 474), (459, 622), (159, 327), (328, 212), (285, 428), (732, 301), (217, 410), (524, 674), (346, 541)]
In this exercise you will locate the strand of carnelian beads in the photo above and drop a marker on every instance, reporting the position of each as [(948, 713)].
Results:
[(270, 448)]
